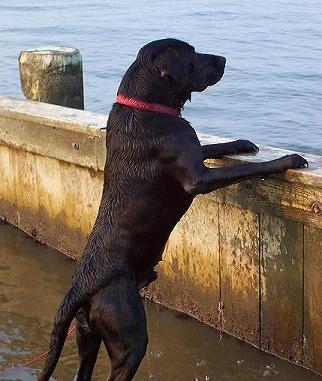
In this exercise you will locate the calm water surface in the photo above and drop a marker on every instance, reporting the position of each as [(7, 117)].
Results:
[(33, 278), (272, 89)]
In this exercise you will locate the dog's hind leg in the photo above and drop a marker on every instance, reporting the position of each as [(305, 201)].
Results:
[(118, 315), (88, 342)]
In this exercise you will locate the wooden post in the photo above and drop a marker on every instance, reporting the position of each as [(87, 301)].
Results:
[(52, 74)]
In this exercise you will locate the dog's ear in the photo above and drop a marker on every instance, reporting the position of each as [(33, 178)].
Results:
[(171, 66), (171, 72), (165, 57)]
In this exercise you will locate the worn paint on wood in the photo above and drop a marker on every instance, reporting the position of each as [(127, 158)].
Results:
[(25, 170), (101, 150), (239, 265), (277, 197), (309, 176), (85, 122), (64, 144), (281, 286), (313, 298), (55, 202), (81, 191), (189, 273), (7, 185), (50, 195)]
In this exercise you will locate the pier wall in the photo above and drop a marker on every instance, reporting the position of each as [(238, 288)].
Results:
[(245, 259)]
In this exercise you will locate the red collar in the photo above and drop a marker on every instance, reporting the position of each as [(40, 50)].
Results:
[(155, 107)]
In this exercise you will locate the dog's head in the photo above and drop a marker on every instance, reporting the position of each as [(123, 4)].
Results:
[(169, 70)]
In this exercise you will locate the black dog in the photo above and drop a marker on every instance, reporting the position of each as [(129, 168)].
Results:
[(154, 168)]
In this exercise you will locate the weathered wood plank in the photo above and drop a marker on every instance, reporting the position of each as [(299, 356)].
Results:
[(91, 188), (64, 144), (7, 186), (81, 121), (281, 286), (50, 190), (277, 197), (81, 190), (25, 171), (308, 176), (239, 269), (188, 277), (313, 298), (100, 143)]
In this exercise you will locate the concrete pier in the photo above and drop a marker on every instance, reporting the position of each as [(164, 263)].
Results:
[(245, 259)]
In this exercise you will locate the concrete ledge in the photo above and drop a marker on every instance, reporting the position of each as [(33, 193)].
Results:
[(245, 259)]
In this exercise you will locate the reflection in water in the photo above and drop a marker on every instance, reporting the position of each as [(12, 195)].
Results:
[(33, 278)]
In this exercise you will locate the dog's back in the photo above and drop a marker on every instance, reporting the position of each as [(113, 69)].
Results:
[(143, 201)]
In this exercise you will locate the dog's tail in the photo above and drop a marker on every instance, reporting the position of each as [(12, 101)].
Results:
[(71, 302)]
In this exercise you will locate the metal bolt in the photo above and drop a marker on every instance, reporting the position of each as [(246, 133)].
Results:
[(317, 208), (76, 145)]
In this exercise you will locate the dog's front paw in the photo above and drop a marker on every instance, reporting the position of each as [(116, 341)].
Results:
[(246, 146), (296, 161)]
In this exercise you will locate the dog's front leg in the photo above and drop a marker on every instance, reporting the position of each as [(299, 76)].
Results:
[(216, 151), (210, 179)]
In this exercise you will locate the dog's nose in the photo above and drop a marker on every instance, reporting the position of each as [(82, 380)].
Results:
[(222, 60), (219, 61)]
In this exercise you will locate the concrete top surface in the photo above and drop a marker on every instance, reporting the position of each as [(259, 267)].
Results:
[(87, 122)]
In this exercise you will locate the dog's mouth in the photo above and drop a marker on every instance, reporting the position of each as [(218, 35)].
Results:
[(210, 80), (217, 76), (211, 70)]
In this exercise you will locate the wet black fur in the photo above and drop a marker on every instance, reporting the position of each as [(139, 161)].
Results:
[(154, 168)]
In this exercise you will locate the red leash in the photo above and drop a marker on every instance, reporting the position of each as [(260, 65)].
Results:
[(39, 357)]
